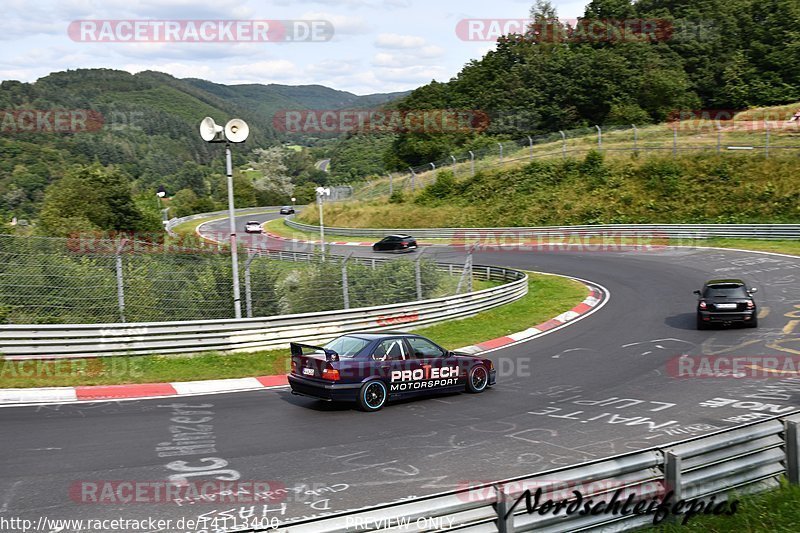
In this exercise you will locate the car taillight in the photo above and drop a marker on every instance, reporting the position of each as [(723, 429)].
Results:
[(751, 304), (294, 367), (330, 373), (703, 305)]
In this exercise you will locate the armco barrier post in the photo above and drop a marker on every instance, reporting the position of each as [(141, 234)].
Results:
[(505, 515), (792, 449), (672, 474)]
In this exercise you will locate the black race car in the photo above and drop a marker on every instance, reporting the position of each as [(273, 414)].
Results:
[(395, 243), (372, 368), (287, 210), (726, 301)]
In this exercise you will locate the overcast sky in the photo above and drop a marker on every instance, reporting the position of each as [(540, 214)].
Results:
[(378, 45)]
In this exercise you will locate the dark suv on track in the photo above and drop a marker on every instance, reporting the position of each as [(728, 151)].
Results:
[(726, 301)]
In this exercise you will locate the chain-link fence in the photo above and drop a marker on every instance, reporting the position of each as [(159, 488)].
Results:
[(90, 280), (750, 135)]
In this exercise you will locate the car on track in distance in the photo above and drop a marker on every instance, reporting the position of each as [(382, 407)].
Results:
[(252, 227), (287, 210), (395, 243), (726, 301), (371, 368)]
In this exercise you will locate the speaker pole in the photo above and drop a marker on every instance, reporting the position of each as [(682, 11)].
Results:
[(237, 298)]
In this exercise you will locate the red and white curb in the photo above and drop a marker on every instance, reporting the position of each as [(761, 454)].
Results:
[(104, 393), (597, 298)]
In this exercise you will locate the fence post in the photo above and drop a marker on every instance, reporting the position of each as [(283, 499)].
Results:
[(433, 166), (413, 178), (248, 293), (501, 151), (766, 146), (635, 139), (345, 288), (120, 280), (530, 143), (792, 447), (599, 137), (472, 161), (563, 143), (418, 275), (454, 164), (675, 140)]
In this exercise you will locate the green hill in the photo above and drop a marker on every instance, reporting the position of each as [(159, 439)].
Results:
[(149, 131)]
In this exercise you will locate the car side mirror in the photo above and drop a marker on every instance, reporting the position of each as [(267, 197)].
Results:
[(753, 290), (697, 293)]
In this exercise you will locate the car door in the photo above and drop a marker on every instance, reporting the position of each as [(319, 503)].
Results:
[(389, 359), (438, 369)]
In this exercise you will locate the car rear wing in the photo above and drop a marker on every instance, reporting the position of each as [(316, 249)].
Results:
[(297, 350)]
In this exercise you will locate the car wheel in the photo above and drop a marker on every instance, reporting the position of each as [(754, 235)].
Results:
[(477, 379), (701, 324), (753, 323), (372, 396)]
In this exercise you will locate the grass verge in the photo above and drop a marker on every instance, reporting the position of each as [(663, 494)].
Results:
[(548, 296), (776, 511)]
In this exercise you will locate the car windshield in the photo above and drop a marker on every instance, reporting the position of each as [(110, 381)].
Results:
[(347, 346), (728, 290)]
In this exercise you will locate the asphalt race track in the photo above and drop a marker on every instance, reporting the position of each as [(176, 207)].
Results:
[(597, 388)]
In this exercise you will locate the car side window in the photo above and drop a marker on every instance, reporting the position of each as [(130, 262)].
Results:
[(389, 350), (424, 348)]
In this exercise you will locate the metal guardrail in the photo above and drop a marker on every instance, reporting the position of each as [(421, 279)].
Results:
[(672, 231), (746, 459), (98, 340), (171, 223)]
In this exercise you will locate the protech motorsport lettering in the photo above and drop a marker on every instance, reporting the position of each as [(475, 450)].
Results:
[(425, 377)]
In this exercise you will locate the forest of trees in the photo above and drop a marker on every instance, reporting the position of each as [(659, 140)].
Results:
[(720, 54), (148, 138)]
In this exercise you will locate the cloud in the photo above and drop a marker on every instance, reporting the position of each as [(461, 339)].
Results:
[(397, 41), (342, 24)]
